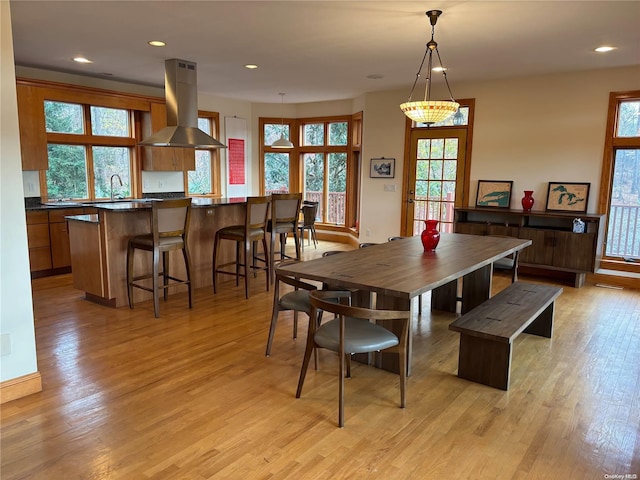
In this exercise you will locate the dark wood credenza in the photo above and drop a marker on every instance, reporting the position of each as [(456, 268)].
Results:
[(555, 250)]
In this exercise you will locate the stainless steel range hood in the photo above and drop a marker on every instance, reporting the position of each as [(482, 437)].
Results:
[(181, 94)]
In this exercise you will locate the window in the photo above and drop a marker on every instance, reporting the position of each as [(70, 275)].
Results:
[(620, 194), (205, 179), (87, 146), (323, 164)]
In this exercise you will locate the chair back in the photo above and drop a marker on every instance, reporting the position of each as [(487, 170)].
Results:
[(309, 213), (393, 239), (366, 244), (170, 218), (285, 207), (257, 213)]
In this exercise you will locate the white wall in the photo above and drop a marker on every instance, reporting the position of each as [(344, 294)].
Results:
[(529, 130), (16, 310)]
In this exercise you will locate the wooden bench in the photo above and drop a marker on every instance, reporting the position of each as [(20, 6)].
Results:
[(488, 331)]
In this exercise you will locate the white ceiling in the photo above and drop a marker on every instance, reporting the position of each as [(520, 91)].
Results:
[(321, 50)]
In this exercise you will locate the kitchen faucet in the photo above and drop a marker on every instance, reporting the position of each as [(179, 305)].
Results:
[(111, 181)]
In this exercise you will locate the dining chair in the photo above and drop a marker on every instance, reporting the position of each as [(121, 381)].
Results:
[(296, 300), (169, 231), (246, 235), (353, 331), (393, 239), (309, 212), (366, 244), (510, 262), (285, 208)]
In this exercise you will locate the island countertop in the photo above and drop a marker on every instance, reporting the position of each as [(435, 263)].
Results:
[(98, 244), (136, 203)]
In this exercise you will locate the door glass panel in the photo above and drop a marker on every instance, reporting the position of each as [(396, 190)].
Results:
[(276, 172), (623, 231), (108, 161), (67, 173), (436, 172)]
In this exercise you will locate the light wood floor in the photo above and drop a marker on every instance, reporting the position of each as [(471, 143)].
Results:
[(192, 396)]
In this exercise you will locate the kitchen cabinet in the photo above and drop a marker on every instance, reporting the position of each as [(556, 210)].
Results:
[(554, 245), (38, 240), (33, 136), (163, 158), (58, 229)]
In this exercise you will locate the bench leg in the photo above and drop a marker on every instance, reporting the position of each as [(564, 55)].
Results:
[(543, 325), (484, 361)]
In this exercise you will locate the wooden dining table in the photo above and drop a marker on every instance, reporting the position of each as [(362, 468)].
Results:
[(458, 273)]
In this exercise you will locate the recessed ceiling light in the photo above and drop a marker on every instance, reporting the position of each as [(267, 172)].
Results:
[(82, 60), (251, 66), (604, 49), (156, 43), (375, 76)]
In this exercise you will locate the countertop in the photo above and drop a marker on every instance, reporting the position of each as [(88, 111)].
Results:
[(137, 204)]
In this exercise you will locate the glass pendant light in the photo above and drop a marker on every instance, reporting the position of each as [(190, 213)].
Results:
[(282, 142), (430, 111)]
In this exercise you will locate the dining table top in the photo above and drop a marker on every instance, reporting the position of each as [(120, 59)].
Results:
[(402, 268)]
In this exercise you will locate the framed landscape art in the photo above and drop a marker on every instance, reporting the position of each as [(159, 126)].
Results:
[(568, 197), (494, 193), (383, 168)]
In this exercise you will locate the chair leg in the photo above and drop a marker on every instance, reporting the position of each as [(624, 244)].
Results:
[(305, 364), (165, 275), (271, 272), (274, 317), (312, 233), (156, 273), (248, 256), (420, 304), (215, 261), (187, 266), (267, 261), (341, 389), (130, 251)]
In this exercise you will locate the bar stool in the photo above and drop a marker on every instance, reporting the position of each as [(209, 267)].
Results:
[(252, 231), (285, 208), (169, 230)]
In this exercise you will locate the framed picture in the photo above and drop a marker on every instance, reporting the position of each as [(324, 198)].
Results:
[(494, 193), (568, 196), (383, 168)]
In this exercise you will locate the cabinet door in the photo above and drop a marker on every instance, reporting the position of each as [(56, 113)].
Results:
[(60, 252), (502, 231), (471, 228), (575, 251), (33, 136), (165, 158), (540, 252)]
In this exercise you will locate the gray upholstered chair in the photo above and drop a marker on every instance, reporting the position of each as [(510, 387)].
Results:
[(296, 300), (169, 231), (353, 331)]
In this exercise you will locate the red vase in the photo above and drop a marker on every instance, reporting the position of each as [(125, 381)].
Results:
[(527, 200), (430, 236)]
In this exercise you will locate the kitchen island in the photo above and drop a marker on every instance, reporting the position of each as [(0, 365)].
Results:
[(98, 244)]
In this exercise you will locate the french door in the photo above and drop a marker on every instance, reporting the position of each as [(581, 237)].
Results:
[(435, 182)]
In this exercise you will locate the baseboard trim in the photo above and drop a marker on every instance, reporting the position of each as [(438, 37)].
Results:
[(20, 387)]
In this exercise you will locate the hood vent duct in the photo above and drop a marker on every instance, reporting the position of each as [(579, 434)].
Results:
[(181, 94)]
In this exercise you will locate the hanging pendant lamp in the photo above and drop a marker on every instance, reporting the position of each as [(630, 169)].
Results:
[(430, 111), (282, 142)]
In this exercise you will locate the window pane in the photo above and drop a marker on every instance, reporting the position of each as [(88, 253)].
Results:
[(63, 117), (338, 133), (200, 178), (276, 173), (314, 179), (273, 132), (623, 232), (107, 162), (67, 173), (629, 119), (110, 122), (337, 188), (204, 124), (314, 134)]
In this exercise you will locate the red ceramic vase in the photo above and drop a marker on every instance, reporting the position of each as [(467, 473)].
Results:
[(430, 236), (527, 200)]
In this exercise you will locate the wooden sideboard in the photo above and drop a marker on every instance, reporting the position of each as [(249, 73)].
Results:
[(555, 250)]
